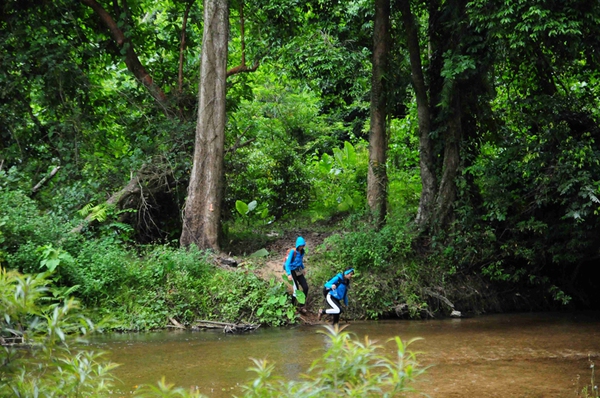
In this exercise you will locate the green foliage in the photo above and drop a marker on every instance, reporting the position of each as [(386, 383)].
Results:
[(241, 296), (247, 211), (389, 279), (404, 180), (300, 296), (348, 368), (338, 182), (96, 213), (367, 248), (52, 258), (277, 305), (25, 228), (45, 360)]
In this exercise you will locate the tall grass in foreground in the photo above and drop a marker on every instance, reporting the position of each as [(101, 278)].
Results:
[(348, 368), (590, 390)]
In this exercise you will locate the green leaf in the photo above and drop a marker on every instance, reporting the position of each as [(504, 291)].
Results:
[(300, 296), (290, 313), (260, 253), (252, 205), (241, 207), (285, 279)]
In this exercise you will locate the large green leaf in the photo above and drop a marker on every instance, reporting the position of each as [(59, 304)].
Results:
[(260, 253), (241, 207)]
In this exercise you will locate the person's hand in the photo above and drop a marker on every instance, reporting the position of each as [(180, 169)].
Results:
[(290, 277), (333, 287)]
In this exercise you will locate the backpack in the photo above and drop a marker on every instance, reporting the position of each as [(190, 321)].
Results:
[(293, 251)]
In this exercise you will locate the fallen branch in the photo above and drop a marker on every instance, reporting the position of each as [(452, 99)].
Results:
[(227, 327), (45, 180), (132, 187), (176, 324), (149, 179)]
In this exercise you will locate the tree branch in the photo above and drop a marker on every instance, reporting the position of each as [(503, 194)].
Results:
[(131, 58), (182, 44), (45, 180), (242, 67)]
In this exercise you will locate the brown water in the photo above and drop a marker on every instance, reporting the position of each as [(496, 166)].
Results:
[(509, 355)]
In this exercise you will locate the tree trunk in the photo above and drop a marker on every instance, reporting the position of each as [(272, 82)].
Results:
[(428, 177), (202, 213), (447, 191), (377, 175)]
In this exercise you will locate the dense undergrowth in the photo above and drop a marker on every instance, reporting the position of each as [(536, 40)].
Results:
[(143, 287)]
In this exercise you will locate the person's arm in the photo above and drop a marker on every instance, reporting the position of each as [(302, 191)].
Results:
[(288, 263)]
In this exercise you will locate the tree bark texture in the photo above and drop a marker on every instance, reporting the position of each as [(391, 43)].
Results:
[(447, 191), (377, 175), (427, 169), (201, 218)]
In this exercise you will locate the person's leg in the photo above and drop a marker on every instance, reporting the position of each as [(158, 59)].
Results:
[(336, 319), (295, 287), (334, 304), (335, 310), (303, 284)]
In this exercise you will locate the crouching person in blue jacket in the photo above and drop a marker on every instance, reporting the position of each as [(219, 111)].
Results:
[(336, 291)]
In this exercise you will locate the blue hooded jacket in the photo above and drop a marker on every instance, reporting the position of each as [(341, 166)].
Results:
[(298, 257), (341, 286)]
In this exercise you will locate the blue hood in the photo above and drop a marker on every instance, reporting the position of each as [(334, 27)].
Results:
[(300, 242)]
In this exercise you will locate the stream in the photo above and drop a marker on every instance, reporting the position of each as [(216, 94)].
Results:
[(505, 355)]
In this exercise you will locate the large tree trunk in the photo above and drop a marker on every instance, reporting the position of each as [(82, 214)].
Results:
[(377, 175), (447, 191), (428, 177), (201, 219)]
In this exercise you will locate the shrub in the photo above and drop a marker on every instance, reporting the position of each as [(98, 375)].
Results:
[(24, 229), (43, 327), (348, 368)]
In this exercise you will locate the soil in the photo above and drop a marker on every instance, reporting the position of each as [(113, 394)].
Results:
[(272, 265), (280, 247)]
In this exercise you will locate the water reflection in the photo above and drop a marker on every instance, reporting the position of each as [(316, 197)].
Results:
[(511, 355)]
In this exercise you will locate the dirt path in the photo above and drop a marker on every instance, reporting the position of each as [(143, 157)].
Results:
[(279, 249)]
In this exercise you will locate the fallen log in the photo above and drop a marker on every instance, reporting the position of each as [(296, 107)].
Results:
[(151, 178), (176, 324), (227, 327)]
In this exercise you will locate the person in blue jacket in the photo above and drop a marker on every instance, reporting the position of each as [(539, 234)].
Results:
[(294, 268), (336, 291)]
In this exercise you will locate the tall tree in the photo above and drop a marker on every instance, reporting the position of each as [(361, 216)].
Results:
[(377, 175), (449, 87), (428, 177), (201, 219)]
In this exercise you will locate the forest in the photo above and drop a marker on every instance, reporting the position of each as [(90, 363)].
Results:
[(445, 149)]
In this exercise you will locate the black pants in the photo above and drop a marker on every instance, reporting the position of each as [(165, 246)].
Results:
[(335, 307), (299, 282)]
